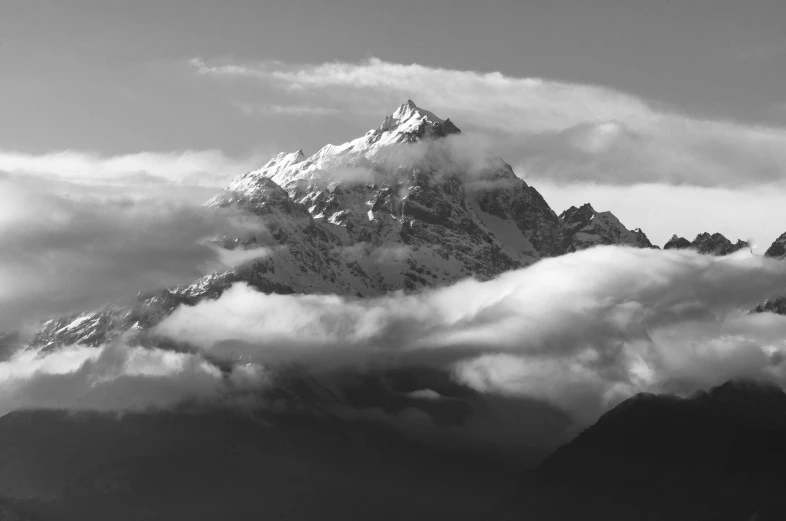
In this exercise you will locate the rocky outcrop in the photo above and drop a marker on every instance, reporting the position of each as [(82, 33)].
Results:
[(716, 244), (706, 244), (583, 227)]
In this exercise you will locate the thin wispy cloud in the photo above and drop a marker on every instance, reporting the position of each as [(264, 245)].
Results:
[(258, 109), (211, 168)]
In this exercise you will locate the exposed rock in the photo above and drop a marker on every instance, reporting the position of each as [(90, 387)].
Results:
[(706, 244), (773, 305), (583, 227), (677, 243), (716, 244), (778, 248)]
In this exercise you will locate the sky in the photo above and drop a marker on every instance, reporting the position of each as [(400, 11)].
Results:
[(676, 108)]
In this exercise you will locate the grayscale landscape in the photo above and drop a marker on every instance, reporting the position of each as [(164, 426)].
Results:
[(365, 260)]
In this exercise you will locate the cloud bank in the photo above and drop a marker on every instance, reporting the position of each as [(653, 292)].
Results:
[(119, 378), (519, 363), (581, 331)]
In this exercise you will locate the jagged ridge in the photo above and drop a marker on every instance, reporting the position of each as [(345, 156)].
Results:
[(706, 244)]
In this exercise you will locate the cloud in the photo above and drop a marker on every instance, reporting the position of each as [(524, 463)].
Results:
[(61, 254), (257, 109), (554, 130), (580, 332), (119, 378), (760, 52), (233, 258), (510, 367), (203, 168)]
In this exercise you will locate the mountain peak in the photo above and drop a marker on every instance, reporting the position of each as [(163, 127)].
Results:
[(285, 159), (408, 118), (716, 244), (677, 243)]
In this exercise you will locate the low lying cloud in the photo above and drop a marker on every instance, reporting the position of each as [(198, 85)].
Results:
[(581, 332), (554, 130), (514, 366), (61, 254), (119, 378)]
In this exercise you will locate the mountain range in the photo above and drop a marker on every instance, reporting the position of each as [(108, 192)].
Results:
[(409, 205)]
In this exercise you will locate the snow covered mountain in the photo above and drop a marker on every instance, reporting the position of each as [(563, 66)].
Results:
[(409, 205), (396, 209)]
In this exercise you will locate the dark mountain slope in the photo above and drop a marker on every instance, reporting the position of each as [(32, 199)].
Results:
[(717, 456)]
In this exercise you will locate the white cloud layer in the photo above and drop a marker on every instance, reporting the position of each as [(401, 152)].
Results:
[(555, 130), (581, 331), (514, 365)]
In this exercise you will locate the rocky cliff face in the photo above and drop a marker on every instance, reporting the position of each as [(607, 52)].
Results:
[(404, 207), (677, 243)]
